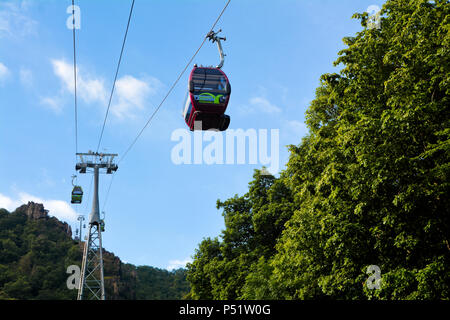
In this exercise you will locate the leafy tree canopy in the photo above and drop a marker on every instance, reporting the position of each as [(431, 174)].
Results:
[(368, 185)]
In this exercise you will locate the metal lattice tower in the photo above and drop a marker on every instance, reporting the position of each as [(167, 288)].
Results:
[(92, 286)]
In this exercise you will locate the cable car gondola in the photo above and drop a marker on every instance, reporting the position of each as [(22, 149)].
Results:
[(208, 95), (77, 194)]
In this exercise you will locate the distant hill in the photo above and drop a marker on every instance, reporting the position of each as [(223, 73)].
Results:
[(35, 251)]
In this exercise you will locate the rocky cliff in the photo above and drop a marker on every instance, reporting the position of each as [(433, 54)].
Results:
[(36, 211), (36, 249)]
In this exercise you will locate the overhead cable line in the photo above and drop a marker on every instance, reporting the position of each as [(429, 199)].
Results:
[(107, 192), (115, 77), (75, 84), (173, 85), (75, 78), (89, 194), (165, 97)]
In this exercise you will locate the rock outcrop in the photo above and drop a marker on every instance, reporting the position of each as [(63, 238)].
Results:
[(33, 210), (36, 211)]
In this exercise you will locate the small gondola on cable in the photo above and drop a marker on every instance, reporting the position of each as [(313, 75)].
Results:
[(208, 95), (77, 192)]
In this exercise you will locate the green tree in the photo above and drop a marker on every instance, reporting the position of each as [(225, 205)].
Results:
[(367, 186), (34, 255), (19, 288), (253, 223), (379, 135)]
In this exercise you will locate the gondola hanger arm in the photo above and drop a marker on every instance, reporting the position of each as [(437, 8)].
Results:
[(73, 178), (213, 36)]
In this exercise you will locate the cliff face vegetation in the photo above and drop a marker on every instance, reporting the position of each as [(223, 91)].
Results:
[(35, 251), (369, 185)]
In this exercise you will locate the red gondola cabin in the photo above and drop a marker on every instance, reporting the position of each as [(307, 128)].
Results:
[(207, 99)]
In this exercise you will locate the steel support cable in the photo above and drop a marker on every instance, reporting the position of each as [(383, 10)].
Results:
[(75, 78), (107, 192), (75, 83), (173, 85), (165, 97), (89, 194), (115, 77)]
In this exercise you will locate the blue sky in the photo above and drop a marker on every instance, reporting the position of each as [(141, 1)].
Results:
[(157, 211)]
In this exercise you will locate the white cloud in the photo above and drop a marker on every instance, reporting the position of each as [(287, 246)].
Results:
[(4, 71), (57, 208), (176, 264), (131, 94), (296, 128), (14, 20), (89, 89), (260, 104), (8, 203), (26, 77), (264, 105), (64, 72), (53, 103)]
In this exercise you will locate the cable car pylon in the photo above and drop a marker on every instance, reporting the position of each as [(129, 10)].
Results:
[(92, 286)]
